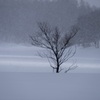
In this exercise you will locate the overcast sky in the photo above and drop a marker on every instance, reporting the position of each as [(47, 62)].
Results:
[(93, 2)]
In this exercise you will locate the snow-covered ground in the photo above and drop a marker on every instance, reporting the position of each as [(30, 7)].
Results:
[(24, 58), (46, 86), (15, 84)]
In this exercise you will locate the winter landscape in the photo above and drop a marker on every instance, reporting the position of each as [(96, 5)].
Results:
[(49, 50)]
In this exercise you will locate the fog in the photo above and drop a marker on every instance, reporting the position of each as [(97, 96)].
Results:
[(18, 19)]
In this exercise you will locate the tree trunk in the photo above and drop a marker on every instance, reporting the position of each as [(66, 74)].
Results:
[(57, 70)]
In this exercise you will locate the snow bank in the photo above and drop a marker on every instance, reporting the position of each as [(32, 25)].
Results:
[(31, 86)]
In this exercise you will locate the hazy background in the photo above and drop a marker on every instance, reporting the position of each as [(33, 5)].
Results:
[(18, 19), (93, 2)]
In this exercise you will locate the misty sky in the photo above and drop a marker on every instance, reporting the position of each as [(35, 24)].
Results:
[(93, 2), (18, 17)]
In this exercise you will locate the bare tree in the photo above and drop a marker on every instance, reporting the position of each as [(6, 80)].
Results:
[(57, 44)]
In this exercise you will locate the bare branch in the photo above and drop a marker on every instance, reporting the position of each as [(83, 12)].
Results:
[(72, 67), (58, 45)]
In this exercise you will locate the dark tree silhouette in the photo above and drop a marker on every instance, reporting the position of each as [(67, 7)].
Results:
[(58, 45), (89, 34)]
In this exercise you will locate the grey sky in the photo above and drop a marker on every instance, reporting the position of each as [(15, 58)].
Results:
[(19, 17), (93, 2)]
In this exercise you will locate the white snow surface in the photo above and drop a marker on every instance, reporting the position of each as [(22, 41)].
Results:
[(24, 58), (48, 86), (22, 75)]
